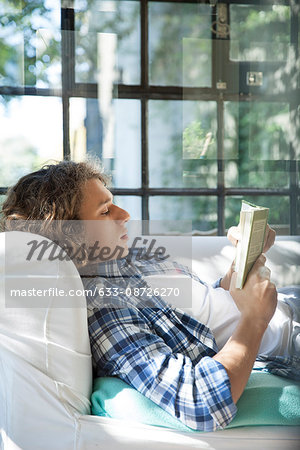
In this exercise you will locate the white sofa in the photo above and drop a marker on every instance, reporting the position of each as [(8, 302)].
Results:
[(45, 361)]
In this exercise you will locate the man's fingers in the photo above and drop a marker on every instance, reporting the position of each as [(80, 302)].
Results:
[(259, 267), (233, 281), (234, 235), (269, 238), (264, 272), (260, 261), (262, 258)]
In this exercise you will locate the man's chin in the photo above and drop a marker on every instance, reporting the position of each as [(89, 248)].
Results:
[(125, 251)]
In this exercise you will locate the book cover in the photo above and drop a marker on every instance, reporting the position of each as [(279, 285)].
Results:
[(253, 222)]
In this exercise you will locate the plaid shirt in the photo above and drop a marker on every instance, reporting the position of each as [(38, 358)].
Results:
[(156, 348), (287, 367)]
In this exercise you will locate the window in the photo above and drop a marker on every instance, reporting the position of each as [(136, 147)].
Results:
[(191, 105)]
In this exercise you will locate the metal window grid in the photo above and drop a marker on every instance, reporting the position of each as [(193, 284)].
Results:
[(145, 92)]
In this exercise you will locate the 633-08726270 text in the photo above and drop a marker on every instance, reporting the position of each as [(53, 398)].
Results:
[(138, 291)]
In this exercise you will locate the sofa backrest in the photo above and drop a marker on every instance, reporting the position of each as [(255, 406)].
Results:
[(211, 256), (39, 324)]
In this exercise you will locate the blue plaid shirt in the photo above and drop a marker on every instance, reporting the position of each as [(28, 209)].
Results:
[(156, 348)]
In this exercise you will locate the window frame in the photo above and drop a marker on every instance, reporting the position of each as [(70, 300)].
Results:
[(145, 92)]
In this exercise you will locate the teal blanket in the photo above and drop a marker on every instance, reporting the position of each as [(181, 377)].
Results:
[(267, 400)]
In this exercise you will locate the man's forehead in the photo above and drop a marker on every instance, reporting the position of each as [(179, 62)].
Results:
[(108, 197), (95, 189), (105, 195)]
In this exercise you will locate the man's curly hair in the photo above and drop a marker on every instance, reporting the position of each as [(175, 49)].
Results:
[(48, 201)]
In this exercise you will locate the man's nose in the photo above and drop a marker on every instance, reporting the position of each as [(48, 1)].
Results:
[(123, 215)]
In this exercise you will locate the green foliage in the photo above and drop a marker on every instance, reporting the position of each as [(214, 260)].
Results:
[(257, 143), (180, 46), (29, 43), (195, 141), (262, 30), (89, 22), (17, 158)]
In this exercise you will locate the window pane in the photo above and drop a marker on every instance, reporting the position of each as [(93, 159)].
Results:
[(112, 133), (30, 42), (107, 40), (31, 134), (259, 33), (202, 211), (182, 144), (131, 204), (298, 215), (2, 198), (256, 143), (298, 82), (179, 44), (279, 214)]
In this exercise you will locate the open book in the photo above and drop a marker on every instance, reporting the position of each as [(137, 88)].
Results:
[(253, 222)]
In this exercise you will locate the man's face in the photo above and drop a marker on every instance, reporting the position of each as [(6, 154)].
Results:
[(104, 222)]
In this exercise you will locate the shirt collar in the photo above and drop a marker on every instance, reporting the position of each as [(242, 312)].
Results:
[(115, 268)]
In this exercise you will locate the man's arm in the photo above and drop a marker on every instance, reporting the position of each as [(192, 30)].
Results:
[(123, 345), (257, 303), (201, 393)]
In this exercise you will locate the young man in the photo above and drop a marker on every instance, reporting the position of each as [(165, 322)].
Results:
[(167, 355)]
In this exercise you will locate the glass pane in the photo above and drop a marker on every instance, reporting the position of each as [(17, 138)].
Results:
[(112, 133), (182, 143), (130, 203), (179, 44), (107, 41), (279, 214), (259, 33), (202, 211), (256, 143), (30, 42), (298, 82), (31, 135), (2, 198), (298, 215)]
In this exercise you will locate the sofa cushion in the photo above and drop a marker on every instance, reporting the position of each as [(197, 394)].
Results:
[(266, 400), (49, 331)]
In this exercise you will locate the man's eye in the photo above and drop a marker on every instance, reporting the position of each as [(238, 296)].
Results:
[(105, 213)]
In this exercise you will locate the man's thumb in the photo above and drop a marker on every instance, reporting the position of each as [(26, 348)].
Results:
[(233, 281)]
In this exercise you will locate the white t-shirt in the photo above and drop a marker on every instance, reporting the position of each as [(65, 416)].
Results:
[(215, 308)]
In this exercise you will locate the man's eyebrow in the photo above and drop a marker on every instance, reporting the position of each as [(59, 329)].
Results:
[(106, 201)]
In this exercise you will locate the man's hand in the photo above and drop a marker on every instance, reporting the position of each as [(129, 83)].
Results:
[(258, 298), (234, 235)]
